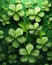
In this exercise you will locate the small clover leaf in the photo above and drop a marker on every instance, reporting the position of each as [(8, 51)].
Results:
[(12, 32), (49, 44), (9, 39), (21, 13), (1, 34), (23, 51), (45, 49), (19, 32), (12, 59), (36, 25), (5, 19), (29, 48), (41, 14), (42, 40), (21, 39), (18, 7), (37, 19), (15, 44), (37, 10), (16, 17), (28, 4), (24, 59), (32, 59), (39, 46), (49, 55), (18, 1), (12, 7), (31, 17), (46, 5), (35, 52)]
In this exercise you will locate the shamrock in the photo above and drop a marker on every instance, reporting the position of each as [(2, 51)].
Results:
[(35, 14), (35, 29), (49, 55), (16, 11), (1, 34), (28, 4), (5, 19), (2, 56), (15, 36), (46, 5), (29, 54), (12, 58), (11, 49), (18, 1), (42, 43)]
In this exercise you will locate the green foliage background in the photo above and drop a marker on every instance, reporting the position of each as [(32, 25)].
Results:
[(47, 28)]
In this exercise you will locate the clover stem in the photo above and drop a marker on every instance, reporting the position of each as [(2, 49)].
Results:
[(25, 26)]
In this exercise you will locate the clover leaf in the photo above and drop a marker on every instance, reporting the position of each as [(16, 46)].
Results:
[(16, 33), (35, 14), (15, 44), (23, 51), (28, 4), (29, 48), (36, 25), (1, 34), (35, 52), (42, 40), (15, 36), (28, 54), (13, 9), (18, 1), (32, 59), (46, 5), (37, 10), (21, 39), (16, 17), (49, 55), (18, 7), (9, 39), (12, 58), (24, 59), (5, 19), (45, 49)]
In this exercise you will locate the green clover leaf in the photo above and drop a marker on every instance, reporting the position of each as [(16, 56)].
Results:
[(15, 44), (42, 40), (21, 39), (16, 17), (23, 51), (37, 10), (1, 34), (12, 7), (24, 59), (35, 52), (29, 48), (32, 59)]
